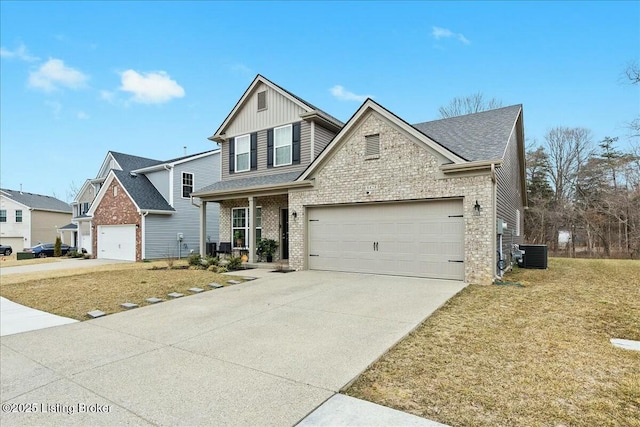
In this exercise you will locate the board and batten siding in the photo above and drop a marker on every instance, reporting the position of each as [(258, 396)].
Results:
[(509, 196), (262, 169), (280, 111), (161, 231), (160, 180)]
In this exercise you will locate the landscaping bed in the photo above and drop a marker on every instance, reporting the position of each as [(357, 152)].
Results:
[(534, 355)]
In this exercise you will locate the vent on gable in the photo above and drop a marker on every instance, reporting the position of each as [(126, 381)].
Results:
[(372, 146), (262, 100)]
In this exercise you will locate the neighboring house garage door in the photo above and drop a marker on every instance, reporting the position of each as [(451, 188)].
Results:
[(424, 239), (16, 243), (117, 242)]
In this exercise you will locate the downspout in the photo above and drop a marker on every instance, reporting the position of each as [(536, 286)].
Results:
[(143, 244), (494, 210)]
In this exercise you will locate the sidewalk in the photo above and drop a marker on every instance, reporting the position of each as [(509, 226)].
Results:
[(16, 318)]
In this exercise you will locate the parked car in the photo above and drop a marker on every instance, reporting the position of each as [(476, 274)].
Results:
[(5, 250), (46, 249)]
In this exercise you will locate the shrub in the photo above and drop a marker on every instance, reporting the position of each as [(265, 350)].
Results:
[(220, 269), (212, 261), (57, 247), (235, 263), (195, 260)]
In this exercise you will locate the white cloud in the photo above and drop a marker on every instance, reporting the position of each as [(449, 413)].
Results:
[(445, 33), (82, 115), (53, 74), (150, 88), (20, 53), (344, 95)]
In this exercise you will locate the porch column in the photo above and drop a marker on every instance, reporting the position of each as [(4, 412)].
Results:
[(252, 230), (203, 228)]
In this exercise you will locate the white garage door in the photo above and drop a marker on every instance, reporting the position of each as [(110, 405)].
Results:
[(117, 242), (16, 243), (424, 239)]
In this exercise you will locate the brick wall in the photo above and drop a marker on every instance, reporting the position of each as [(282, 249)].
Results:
[(404, 170), (116, 208)]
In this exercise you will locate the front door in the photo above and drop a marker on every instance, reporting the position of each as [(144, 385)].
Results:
[(284, 243)]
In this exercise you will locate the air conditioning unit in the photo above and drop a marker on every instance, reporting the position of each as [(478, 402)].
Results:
[(535, 256)]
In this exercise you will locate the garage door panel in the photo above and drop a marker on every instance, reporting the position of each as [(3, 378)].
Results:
[(117, 242), (418, 238)]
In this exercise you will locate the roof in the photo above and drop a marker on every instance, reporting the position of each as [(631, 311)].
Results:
[(128, 162), (177, 159), (68, 227), (38, 201), (477, 136), (144, 194), (254, 181)]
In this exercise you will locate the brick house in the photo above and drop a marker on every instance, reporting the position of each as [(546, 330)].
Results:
[(383, 196)]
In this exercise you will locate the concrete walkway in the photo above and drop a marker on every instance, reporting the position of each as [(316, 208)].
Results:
[(16, 318), (266, 352)]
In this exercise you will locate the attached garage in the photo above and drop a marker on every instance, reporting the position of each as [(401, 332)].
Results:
[(16, 243), (117, 242), (423, 239)]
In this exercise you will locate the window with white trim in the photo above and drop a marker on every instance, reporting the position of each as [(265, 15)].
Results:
[(282, 145), (240, 226), (187, 184), (19, 215), (243, 147)]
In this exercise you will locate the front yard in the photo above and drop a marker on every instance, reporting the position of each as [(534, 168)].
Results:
[(73, 293), (537, 355)]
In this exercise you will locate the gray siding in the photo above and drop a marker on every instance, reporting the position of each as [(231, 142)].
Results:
[(161, 230), (280, 111), (305, 156), (160, 180), (322, 138), (509, 195)]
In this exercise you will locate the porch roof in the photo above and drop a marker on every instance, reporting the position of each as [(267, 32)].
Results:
[(278, 183)]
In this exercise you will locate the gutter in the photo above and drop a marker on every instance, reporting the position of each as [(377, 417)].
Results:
[(472, 166), (153, 168)]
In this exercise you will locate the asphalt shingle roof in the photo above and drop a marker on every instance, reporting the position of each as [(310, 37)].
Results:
[(38, 201), (478, 136), (142, 191), (254, 181), (128, 162)]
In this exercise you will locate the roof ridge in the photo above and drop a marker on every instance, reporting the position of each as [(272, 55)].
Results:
[(469, 114)]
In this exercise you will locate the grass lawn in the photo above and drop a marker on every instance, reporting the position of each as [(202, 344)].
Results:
[(537, 355), (73, 293), (12, 261)]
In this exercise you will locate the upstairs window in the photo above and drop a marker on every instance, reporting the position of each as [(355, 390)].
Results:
[(3, 215), (243, 146), (262, 100), (187, 184), (85, 208), (283, 138), (19, 216)]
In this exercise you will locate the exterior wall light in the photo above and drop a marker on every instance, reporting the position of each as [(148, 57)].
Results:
[(477, 209)]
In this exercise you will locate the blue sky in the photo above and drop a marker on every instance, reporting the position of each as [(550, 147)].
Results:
[(147, 78)]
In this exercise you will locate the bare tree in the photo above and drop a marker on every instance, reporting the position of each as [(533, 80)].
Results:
[(72, 191), (469, 104), (633, 72)]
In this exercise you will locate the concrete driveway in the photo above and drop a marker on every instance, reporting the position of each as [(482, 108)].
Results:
[(62, 264), (266, 352)]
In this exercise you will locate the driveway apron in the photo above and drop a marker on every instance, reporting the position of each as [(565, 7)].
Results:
[(265, 352)]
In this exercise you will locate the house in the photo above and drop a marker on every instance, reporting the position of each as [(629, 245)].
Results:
[(27, 219), (382, 196), (139, 208)]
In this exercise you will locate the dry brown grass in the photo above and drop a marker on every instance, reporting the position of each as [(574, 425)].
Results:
[(73, 293), (537, 355), (12, 261)]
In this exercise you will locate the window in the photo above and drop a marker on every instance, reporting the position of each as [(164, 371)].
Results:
[(85, 208), (3, 215), (372, 146), (262, 100), (187, 184), (243, 146), (240, 226), (283, 137), (19, 216)]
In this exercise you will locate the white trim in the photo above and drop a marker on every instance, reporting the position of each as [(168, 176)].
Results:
[(312, 133), (235, 153), (171, 189), (102, 173), (193, 184), (166, 165), (275, 157)]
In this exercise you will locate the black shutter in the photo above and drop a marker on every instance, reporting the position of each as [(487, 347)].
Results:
[(270, 148), (232, 147), (295, 157), (254, 151)]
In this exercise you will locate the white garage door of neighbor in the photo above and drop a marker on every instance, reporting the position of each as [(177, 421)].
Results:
[(117, 242), (16, 243), (424, 239)]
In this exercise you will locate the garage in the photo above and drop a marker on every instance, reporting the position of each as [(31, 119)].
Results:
[(117, 242), (16, 243), (423, 239)]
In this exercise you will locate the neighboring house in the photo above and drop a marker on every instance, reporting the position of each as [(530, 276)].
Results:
[(27, 219), (138, 208), (383, 197)]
